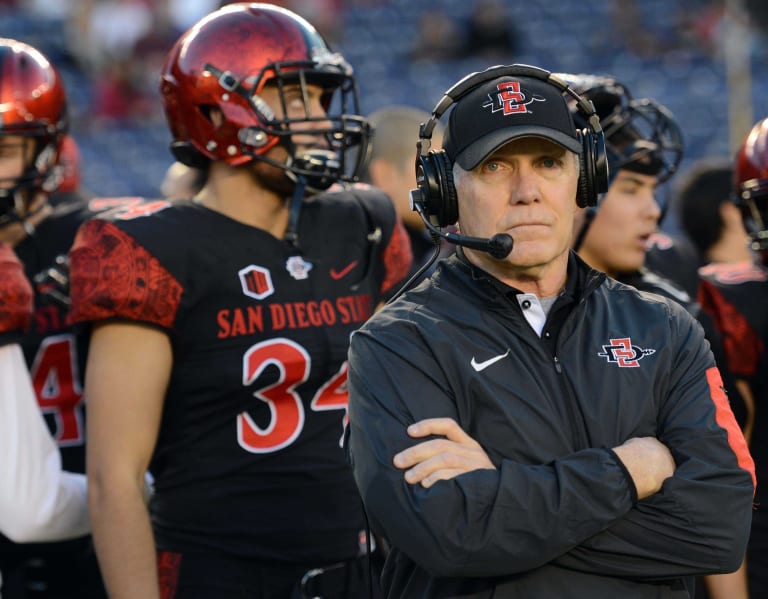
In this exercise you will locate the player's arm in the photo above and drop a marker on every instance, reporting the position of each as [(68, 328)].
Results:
[(39, 502), (129, 365)]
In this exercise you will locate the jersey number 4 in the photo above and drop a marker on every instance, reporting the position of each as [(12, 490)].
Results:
[(285, 405), (56, 380)]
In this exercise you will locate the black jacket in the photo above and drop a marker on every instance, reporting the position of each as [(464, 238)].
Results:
[(559, 517), (653, 282)]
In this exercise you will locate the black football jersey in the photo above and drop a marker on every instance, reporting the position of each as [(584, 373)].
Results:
[(248, 460), (674, 258), (736, 295)]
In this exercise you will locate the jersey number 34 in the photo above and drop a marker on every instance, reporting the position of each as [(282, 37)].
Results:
[(285, 405)]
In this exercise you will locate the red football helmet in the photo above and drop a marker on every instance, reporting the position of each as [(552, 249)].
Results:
[(751, 185), (224, 62), (33, 105)]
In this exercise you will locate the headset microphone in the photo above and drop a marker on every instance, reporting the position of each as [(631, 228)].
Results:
[(499, 246)]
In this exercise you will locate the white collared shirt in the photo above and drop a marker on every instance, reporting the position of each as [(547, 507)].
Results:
[(535, 310)]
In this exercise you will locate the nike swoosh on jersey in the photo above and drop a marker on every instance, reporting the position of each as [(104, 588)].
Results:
[(338, 274), (478, 366)]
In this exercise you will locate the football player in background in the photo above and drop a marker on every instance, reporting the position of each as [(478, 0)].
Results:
[(737, 297), (714, 224), (236, 307), (38, 500), (644, 147), (40, 224)]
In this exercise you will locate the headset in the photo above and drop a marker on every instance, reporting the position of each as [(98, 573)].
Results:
[(435, 196)]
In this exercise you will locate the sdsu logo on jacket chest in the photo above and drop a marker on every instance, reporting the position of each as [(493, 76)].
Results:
[(622, 353)]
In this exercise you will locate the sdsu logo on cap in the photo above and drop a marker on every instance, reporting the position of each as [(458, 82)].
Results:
[(511, 99), (474, 132)]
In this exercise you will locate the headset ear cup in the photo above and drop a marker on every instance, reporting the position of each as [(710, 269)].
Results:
[(426, 183), (587, 194), (434, 179), (601, 178), (448, 211)]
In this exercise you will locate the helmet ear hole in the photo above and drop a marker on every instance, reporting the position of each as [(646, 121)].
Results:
[(212, 114)]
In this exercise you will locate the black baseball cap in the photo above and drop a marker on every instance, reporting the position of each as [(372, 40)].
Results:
[(504, 109)]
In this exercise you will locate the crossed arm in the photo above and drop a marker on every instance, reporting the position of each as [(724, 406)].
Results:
[(647, 460)]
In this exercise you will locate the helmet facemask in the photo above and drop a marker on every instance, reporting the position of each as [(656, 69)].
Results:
[(640, 134), (643, 137), (317, 155), (752, 200), (41, 172)]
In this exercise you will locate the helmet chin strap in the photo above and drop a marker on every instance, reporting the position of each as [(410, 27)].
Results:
[(313, 171), (291, 232)]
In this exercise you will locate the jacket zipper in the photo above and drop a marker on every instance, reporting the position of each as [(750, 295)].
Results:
[(581, 436)]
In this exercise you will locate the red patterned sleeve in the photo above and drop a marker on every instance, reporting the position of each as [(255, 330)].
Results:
[(741, 343), (15, 293), (397, 257), (113, 277)]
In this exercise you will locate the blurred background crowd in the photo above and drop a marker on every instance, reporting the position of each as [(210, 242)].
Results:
[(706, 60)]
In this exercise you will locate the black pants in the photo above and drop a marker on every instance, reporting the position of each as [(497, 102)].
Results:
[(196, 576), (66, 570)]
